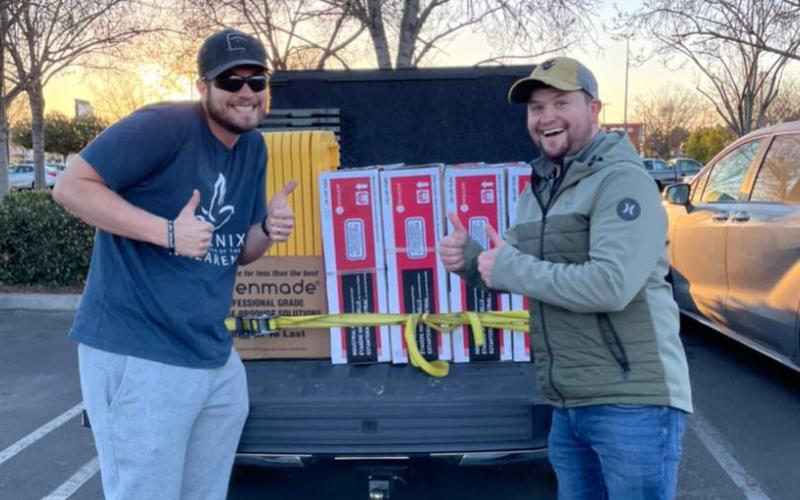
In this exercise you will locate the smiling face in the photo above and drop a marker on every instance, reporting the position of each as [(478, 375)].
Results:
[(561, 122), (232, 113)]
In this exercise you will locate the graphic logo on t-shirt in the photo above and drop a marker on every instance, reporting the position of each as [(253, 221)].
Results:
[(217, 213), (225, 247)]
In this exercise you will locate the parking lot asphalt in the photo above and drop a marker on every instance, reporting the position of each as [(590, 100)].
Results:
[(742, 441)]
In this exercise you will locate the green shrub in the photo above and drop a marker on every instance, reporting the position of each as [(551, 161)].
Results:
[(40, 243)]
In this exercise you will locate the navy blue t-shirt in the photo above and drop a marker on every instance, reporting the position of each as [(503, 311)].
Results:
[(139, 300)]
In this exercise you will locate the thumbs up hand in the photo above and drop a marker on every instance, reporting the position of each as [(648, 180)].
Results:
[(487, 257), (451, 247), (192, 236), (280, 216)]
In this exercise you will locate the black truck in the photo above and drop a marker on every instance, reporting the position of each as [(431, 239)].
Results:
[(382, 417)]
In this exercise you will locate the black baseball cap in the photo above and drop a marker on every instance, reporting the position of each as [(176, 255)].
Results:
[(228, 49)]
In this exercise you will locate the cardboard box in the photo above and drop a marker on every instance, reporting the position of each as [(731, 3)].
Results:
[(354, 262), (519, 177), (477, 196), (413, 225), (282, 286)]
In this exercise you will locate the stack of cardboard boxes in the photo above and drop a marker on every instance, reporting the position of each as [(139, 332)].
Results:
[(380, 228)]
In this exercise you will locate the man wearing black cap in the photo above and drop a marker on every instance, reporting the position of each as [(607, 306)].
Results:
[(589, 250), (177, 193)]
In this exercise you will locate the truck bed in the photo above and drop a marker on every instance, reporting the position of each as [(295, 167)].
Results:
[(312, 409)]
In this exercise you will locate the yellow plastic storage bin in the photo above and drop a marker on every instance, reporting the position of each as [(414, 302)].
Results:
[(300, 155)]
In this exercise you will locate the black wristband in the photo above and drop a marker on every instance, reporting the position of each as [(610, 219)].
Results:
[(171, 237), (264, 227)]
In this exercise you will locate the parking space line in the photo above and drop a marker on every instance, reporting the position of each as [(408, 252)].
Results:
[(717, 445), (39, 433), (77, 480)]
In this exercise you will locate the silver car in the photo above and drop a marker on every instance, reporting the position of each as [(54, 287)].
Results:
[(21, 176), (735, 242), (686, 167)]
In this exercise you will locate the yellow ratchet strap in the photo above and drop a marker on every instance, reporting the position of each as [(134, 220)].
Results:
[(505, 320)]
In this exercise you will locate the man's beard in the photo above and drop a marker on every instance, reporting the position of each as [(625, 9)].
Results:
[(219, 117)]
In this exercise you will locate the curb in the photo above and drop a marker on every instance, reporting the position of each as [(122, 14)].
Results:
[(40, 301)]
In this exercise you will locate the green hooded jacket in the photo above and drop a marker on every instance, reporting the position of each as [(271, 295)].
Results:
[(593, 262)]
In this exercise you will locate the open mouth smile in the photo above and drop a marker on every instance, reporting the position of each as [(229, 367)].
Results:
[(550, 132)]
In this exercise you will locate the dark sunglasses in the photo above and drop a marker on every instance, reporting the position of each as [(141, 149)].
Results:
[(234, 83)]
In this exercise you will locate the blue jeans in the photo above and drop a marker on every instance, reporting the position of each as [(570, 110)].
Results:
[(617, 452)]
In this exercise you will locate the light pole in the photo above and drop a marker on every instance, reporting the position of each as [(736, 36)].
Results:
[(605, 105), (627, 64)]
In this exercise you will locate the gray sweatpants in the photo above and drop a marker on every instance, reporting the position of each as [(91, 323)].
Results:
[(162, 431)]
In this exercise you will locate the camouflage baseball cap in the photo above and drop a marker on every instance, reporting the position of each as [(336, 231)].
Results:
[(562, 73)]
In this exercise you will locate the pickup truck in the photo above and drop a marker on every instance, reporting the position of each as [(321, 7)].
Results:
[(382, 417), (666, 173)]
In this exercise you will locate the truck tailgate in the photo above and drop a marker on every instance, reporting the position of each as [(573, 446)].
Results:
[(314, 408)]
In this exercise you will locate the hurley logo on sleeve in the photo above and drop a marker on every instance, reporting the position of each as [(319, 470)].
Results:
[(628, 209)]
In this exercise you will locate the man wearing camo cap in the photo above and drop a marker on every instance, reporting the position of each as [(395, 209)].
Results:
[(589, 250)]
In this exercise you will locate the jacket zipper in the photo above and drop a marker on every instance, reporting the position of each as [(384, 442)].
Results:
[(621, 356), (544, 210)]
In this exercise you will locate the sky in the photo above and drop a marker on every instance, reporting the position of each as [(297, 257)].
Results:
[(607, 60)]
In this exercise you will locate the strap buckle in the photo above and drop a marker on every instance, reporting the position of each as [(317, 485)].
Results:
[(252, 326)]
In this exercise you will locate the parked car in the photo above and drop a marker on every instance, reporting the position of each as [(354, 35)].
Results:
[(661, 171), (22, 176), (686, 168), (735, 242)]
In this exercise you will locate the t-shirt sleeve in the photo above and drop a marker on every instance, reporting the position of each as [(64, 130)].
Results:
[(260, 204), (133, 148)]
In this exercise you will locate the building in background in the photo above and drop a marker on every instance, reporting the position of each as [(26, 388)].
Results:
[(636, 132), (83, 108)]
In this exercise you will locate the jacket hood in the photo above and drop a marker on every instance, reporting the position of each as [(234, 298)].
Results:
[(604, 149)]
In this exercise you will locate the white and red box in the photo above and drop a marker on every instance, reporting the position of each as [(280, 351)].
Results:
[(477, 196), (413, 225), (355, 267), (519, 178)]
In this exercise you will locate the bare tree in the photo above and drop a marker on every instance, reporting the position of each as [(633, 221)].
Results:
[(7, 95), (157, 67), (121, 92), (729, 20), (51, 35), (296, 33), (403, 33), (786, 106), (724, 40), (514, 29), (669, 114)]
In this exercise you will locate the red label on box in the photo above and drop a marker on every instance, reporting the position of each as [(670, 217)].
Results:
[(353, 224)]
